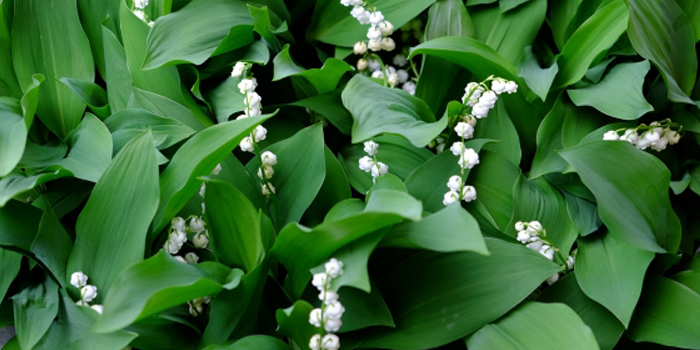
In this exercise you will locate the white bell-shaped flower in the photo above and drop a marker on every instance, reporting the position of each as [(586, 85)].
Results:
[(468, 193), (409, 87), (472, 93), (330, 341), (357, 11), (547, 251), (180, 259), (519, 226), (552, 279), (247, 144), (393, 79), (200, 241), (523, 236), (268, 172), (672, 136), (455, 183), (464, 130), (238, 69), (196, 225), (378, 74), (315, 342), (488, 99), (450, 197), (247, 85), (376, 17), (260, 133), (388, 44), (468, 159), (373, 33), (386, 27), (660, 144), (81, 303), (357, 2), (268, 189), (457, 148), (332, 325), (252, 111), (363, 18), (374, 64), (217, 170), (371, 147), (535, 245), (178, 224), (315, 317), (511, 87), (320, 281), (334, 309), (652, 135), (379, 169), (360, 48), (191, 258), (611, 136), (362, 64), (374, 45), (399, 60), (403, 75), (334, 268), (328, 296), (642, 144), (480, 111), (534, 226), (78, 279), (97, 307), (498, 86), (570, 261), (141, 15), (88, 292), (346, 2), (366, 163), (630, 135), (268, 158), (253, 99)]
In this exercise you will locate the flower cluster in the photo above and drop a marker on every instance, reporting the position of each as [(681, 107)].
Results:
[(393, 76), (378, 32), (656, 135), (139, 11), (534, 236), (370, 164), (88, 292), (328, 316), (178, 237)]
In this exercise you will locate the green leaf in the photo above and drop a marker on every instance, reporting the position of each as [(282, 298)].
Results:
[(493, 180), (663, 34), (299, 249), (662, 315), (539, 200), (52, 245), (47, 38), (536, 326), (137, 119), (296, 186), (550, 140), (294, 322), (611, 272), (262, 24), (537, 78), (35, 307), (329, 105), (11, 263), (692, 10), (335, 189), (606, 328), (364, 310), (17, 183), (355, 256), (226, 99), (619, 94), (95, 14), (499, 126), (378, 109), (253, 342), (324, 79), (428, 317), (197, 157), (117, 76), (257, 52), (395, 151), (201, 29), (8, 80), (234, 225), (167, 108), (469, 53), (154, 285), (458, 230), (91, 150), (594, 36), (644, 219), (73, 327), (583, 213), (333, 24), (111, 229), (19, 223), (91, 94), (16, 118)]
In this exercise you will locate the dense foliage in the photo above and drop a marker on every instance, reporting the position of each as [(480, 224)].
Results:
[(228, 174)]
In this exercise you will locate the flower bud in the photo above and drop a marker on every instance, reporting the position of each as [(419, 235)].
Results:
[(362, 64), (360, 48), (97, 307), (520, 226), (268, 189), (409, 87), (238, 69), (192, 258), (371, 147), (268, 172), (215, 172), (78, 279)]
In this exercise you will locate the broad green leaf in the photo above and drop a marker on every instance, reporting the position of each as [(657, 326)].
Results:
[(253, 342), (536, 326), (663, 34), (138, 119), (95, 14), (333, 24), (54, 27), (595, 36), (52, 245), (692, 10), (19, 223), (364, 309), (606, 328), (35, 307), (324, 79), (11, 263), (355, 256), (167, 108), (299, 248), (257, 52), (335, 189), (434, 173), (645, 218), (439, 80), (112, 227), (539, 200), (493, 178), (583, 213), (296, 186), (8, 80), (428, 317), (73, 327), (561, 17), (395, 151), (378, 110), (451, 229), (469, 53), (226, 99), (499, 126), (116, 75), (164, 81), (262, 24), (662, 315), (394, 202), (611, 271), (537, 78), (509, 32), (91, 94), (549, 140), (329, 105), (197, 157), (201, 29), (16, 118), (153, 285), (91, 149), (619, 94), (17, 183), (39, 156), (234, 225), (293, 322)]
